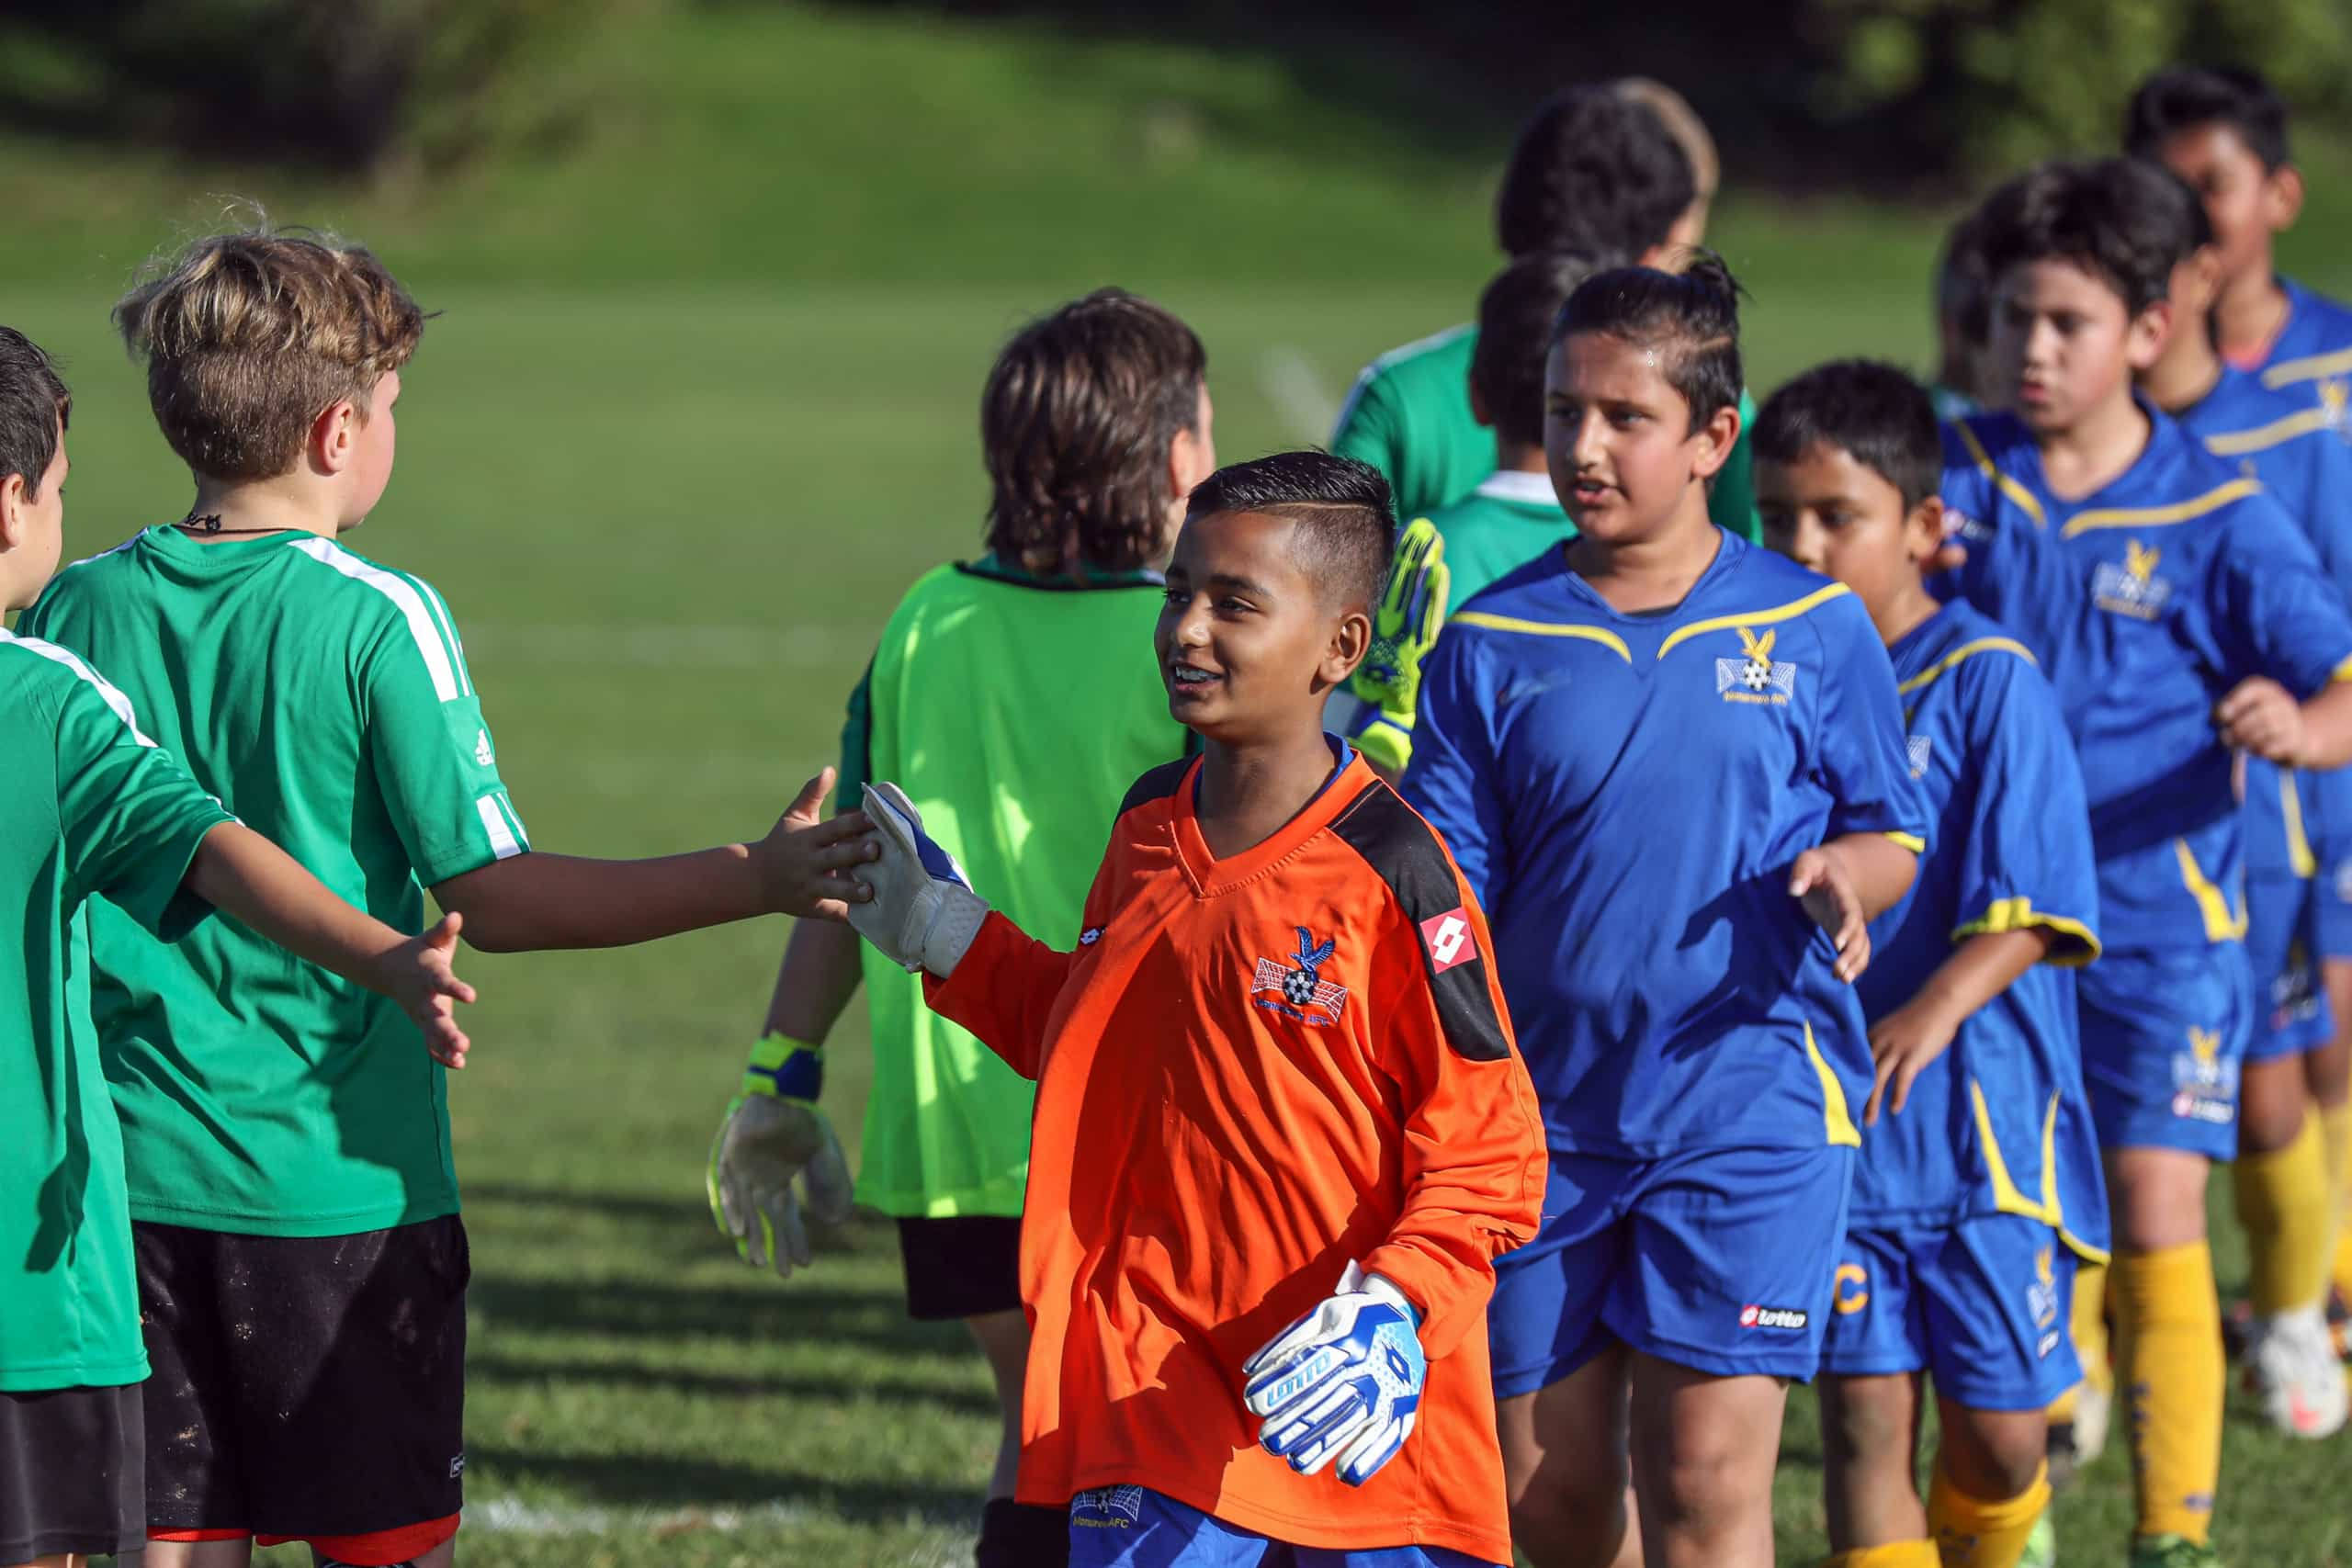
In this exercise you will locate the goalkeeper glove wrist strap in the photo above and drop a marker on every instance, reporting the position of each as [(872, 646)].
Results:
[(785, 1069)]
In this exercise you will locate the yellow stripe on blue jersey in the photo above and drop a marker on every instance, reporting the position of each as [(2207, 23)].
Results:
[(2160, 516), (2081, 943), (2022, 497), (1836, 1123), (1752, 618), (2221, 922), (2311, 368), (1543, 628), (2262, 437)]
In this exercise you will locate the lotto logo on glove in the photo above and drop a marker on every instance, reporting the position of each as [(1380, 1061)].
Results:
[(1343, 1383)]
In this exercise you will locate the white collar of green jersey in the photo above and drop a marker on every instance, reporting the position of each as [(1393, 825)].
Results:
[(1518, 485)]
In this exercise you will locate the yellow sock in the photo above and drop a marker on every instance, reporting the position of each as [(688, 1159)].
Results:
[(2283, 1201), (2336, 1146), (1894, 1555), (2089, 1326), (2168, 1361), (1971, 1533)]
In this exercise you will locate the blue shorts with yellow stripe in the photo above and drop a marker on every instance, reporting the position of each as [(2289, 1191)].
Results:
[(2164, 1040), (1715, 1259), (1980, 1304), (2328, 805), (2291, 1014)]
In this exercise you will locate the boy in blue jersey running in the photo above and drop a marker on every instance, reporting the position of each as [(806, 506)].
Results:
[(2180, 615), (2280, 1180), (1672, 767), (1978, 1181)]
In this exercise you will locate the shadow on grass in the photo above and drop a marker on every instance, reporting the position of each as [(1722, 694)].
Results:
[(912, 1391), (644, 1480), (757, 1310), (677, 1226)]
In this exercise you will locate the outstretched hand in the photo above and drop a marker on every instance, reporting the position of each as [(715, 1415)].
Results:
[(1903, 1045), (420, 976), (805, 860), (1821, 882)]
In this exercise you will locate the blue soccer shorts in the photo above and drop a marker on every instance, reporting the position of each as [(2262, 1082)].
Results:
[(1715, 1259), (2163, 1037), (1980, 1304), (2291, 1014), (2328, 803), (1134, 1526)]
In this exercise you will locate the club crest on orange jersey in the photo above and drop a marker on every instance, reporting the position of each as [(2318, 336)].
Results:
[(1297, 989)]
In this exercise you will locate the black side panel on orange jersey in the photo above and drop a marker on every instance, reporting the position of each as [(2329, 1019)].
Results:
[(1405, 851), (1156, 784)]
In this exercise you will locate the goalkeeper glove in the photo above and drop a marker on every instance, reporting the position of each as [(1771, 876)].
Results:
[(1344, 1382), (1404, 628), (924, 913), (772, 1133)]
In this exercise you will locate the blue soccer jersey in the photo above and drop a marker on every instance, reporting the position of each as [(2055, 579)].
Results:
[(1998, 1124), (2311, 354), (1626, 792), (2146, 602), (2301, 452)]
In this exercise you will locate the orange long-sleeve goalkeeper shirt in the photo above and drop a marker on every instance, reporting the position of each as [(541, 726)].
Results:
[(1251, 1071)]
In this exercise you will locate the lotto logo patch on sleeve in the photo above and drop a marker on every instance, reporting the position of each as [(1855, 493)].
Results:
[(1448, 939)]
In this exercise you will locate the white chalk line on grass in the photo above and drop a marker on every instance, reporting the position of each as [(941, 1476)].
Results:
[(1288, 377)]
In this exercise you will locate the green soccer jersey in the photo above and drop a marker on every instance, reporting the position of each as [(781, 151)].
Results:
[(94, 806), (1408, 415), (325, 700), (1015, 712), (1508, 520)]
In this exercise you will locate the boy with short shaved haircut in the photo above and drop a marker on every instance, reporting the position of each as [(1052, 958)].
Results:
[(96, 808), (1275, 1086), (2180, 615), (302, 1264)]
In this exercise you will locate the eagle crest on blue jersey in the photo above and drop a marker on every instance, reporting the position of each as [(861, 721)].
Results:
[(2133, 588), (1756, 676), (1918, 746), (1300, 984)]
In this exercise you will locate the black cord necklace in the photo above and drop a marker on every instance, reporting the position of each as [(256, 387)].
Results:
[(209, 526)]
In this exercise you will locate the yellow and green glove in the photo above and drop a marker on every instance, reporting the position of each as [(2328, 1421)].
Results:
[(774, 1134), (1404, 624)]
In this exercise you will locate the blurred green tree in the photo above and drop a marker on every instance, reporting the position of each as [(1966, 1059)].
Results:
[(355, 84)]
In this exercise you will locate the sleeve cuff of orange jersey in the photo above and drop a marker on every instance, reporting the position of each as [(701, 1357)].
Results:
[(1436, 1287), (2072, 942), (983, 992)]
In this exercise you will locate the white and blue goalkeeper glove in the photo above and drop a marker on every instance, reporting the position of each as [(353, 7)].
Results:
[(774, 1133), (1344, 1382), (1404, 626), (924, 913)]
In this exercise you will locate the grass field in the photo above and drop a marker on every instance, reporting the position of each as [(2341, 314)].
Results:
[(671, 451)]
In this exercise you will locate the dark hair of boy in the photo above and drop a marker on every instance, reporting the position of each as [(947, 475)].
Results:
[(1872, 412), (34, 410), (1515, 317), (1345, 528), (1076, 423), (1691, 316), (1963, 282), (2184, 97), (1593, 169), (2112, 217)]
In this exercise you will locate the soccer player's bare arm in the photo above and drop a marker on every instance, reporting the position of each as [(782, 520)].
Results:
[(816, 983), (1907, 1040), (237, 870), (1847, 883), (536, 901)]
